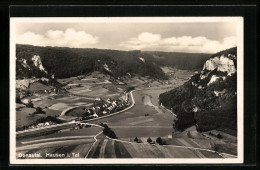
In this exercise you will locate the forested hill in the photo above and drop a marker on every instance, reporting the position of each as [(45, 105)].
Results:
[(67, 62), (63, 62), (185, 61), (209, 99)]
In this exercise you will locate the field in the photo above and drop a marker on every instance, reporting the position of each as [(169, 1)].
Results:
[(91, 131), (92, 86), (106, 148), (36, 86), (23, 117), (51, 107), (190, 137)]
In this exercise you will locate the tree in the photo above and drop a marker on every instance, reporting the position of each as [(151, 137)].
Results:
[(105, 126), (149, 140), (109, 132), (30, 104), (219, 136), (136, 139), (159, 140), (39, 111), (212, 146), (18, 99)]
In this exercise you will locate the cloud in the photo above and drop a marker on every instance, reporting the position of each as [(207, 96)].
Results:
[(149, 41), (67, 38), (147, 37)]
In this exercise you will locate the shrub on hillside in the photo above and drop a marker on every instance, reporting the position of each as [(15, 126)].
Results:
[(109, 132), (149, 140), (18, 99), (30, 104), (39, 111), (49, 118), (159, 140)]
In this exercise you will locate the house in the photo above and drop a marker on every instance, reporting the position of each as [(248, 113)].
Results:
[(26, 101), (98, 99), (108, 100), (95, 115), (110, 108), (40, 125)]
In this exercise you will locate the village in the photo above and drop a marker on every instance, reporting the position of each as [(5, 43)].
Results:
[(102, 108), (106, 107)]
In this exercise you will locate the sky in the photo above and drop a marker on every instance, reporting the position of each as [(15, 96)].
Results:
[(204, 37)]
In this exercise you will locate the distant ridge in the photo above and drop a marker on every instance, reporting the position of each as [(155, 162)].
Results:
[(63, 62)]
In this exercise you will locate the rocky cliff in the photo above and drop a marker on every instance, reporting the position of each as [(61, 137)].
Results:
[(208, 99), (221, 63), (38, 63)]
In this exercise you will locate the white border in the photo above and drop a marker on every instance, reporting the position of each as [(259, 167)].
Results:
[(240, 88)]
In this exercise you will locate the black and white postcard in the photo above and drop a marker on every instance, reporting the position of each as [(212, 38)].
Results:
[(126, 90)]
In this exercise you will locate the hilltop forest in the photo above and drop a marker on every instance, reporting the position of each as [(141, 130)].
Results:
[(66, 62)]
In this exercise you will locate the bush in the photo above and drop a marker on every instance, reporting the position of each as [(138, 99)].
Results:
[(149, 140), (39, 111), (30, 104), (18, 99), (159, 140), (49, 118), (109, 132), (130, 88), (219, 136)]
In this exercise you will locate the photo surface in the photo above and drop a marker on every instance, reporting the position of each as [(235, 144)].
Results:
[(126, 90)]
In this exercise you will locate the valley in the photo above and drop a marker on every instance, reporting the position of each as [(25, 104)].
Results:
[(146, 119), (136, 106)]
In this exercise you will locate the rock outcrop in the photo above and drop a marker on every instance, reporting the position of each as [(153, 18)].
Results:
[(24, 63), (219, 66), (211, 64), (106, 67), (142, 59), (221, 63), (213, 79), (38, 63)]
